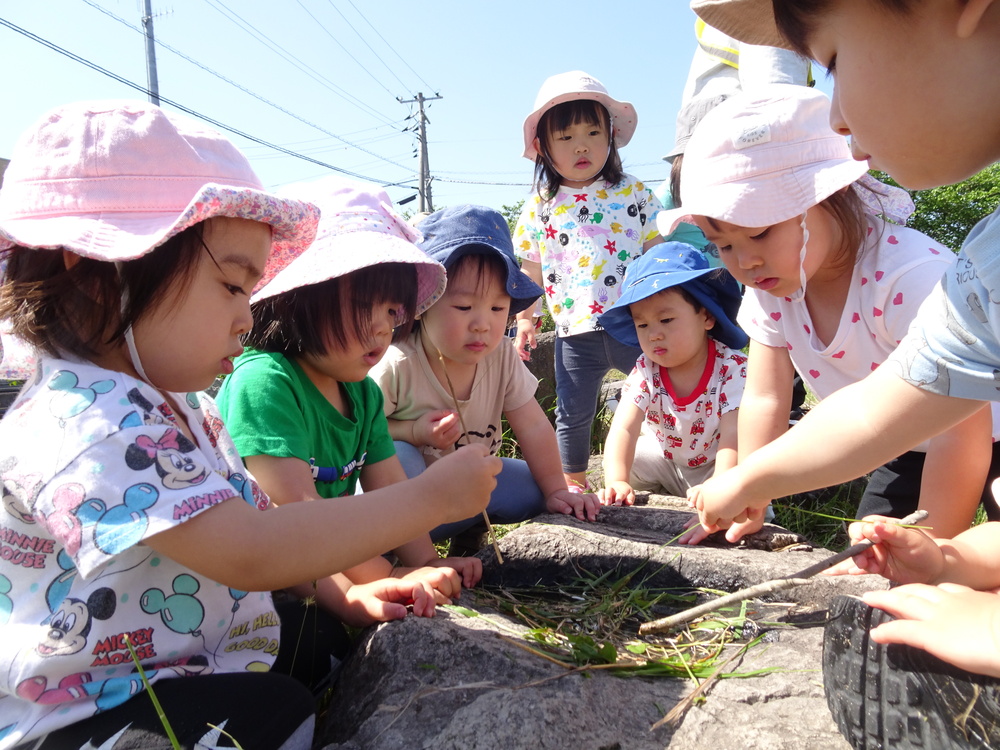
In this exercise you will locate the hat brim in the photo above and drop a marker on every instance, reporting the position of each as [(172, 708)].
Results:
[(750, 21), (126, 235), (745, 202), (340, 254), (623, 118), (721, 299)]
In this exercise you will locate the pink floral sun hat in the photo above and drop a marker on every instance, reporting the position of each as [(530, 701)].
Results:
[(112, 180), (359, 228), (571, 86)]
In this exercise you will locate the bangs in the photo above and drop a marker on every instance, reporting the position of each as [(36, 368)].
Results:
[(563, 115)]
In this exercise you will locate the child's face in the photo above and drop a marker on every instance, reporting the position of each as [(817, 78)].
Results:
[(351, 363), (768, 258), (470, 319), (904, 90), (579, 152), (190, 336), (671, 332)]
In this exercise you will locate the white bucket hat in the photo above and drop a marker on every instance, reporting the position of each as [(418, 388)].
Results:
[(767, 156), (358, 228), (567, 87)]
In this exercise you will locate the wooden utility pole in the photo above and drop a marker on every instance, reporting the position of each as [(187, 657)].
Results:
[(426, 202), (152, 81)]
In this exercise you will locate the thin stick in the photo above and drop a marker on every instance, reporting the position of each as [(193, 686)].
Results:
[(461, 421), (675, 714), (768, 587)]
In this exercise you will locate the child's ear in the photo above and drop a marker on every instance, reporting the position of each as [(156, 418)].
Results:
[(971, 14), (709, 321), (537, 145)]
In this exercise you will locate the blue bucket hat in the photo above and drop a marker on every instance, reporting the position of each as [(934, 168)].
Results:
[(671, 264), (465, 230)]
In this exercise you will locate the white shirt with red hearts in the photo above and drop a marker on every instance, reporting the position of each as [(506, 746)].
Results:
[(896, 270)]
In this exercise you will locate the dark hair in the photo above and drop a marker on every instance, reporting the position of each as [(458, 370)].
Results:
[(309, 319), (79, 309), (798, 19), (848, 210), (547, 179), (675, 180), (484, 266)]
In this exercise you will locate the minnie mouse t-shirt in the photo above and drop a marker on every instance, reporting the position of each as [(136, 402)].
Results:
[(93, 464)]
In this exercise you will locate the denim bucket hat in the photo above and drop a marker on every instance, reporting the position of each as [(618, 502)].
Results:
[(671, 264), (464, 230)]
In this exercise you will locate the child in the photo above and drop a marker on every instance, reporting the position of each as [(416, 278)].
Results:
[(675, 424), (132, 240), (941, 127), (831, 288), (459, 351), (304, 414), (587, 221)]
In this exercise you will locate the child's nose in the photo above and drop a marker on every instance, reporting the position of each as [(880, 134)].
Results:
[(244, 321)]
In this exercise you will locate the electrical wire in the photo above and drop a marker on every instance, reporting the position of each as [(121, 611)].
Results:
[(187, 110), (356, 10)]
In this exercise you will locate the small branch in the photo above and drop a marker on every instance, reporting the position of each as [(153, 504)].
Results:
[(768, 587), (461, 420), (680, 708)]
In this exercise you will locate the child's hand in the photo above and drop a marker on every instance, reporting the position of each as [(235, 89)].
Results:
[(463, 481), (440, 428), (899, 554), (616, 493), (444, 582), (525, 340), (952, 622), (583, 505), (386, 599), (469, 569), (719, 502)]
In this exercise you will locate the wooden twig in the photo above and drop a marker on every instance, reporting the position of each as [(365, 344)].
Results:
[(768, 587), (680, 708), (461, 420)]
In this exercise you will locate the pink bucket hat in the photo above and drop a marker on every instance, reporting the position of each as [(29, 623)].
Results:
[(358, 228), (763, 157), (112, 180), (576, 84)]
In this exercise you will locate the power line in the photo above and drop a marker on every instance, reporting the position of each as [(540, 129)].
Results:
[(245, 90), (261, 37), (365, 42), (346, 51), (182, 108), (433, 88)]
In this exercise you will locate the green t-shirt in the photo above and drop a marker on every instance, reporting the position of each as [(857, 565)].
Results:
[(272, 409)]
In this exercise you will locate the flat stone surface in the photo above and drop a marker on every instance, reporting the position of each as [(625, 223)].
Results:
[(460, 681)]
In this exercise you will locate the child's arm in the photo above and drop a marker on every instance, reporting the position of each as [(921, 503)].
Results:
[(848, 434), (439, 428), (364, 604), (538, 445), (762, 417), (525, 339), (418, 556), (619, 454), (250, 550), (955, 471), (725, 459)]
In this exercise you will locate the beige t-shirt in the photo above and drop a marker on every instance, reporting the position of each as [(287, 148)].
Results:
[(502, 383)]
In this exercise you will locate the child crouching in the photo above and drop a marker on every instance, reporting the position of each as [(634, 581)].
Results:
[(675, 424)]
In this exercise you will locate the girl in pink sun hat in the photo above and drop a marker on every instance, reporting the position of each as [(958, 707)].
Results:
[(831, 287), (305, 416), (575, 237), (132, 240)]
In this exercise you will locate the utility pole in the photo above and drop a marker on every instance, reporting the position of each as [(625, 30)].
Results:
[(426, 203), (147, 24)]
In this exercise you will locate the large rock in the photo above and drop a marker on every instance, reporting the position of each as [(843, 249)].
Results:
[(464, 681)]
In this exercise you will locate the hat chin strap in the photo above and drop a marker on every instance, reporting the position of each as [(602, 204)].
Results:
[(133, 352), (800, 293)]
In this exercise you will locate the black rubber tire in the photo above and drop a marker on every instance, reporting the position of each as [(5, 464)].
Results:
[(898, 697)]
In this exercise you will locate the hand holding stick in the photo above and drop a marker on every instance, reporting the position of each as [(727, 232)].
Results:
[(768, 587)]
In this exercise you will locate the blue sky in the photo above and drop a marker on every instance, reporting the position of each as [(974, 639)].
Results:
[(328, 71)]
